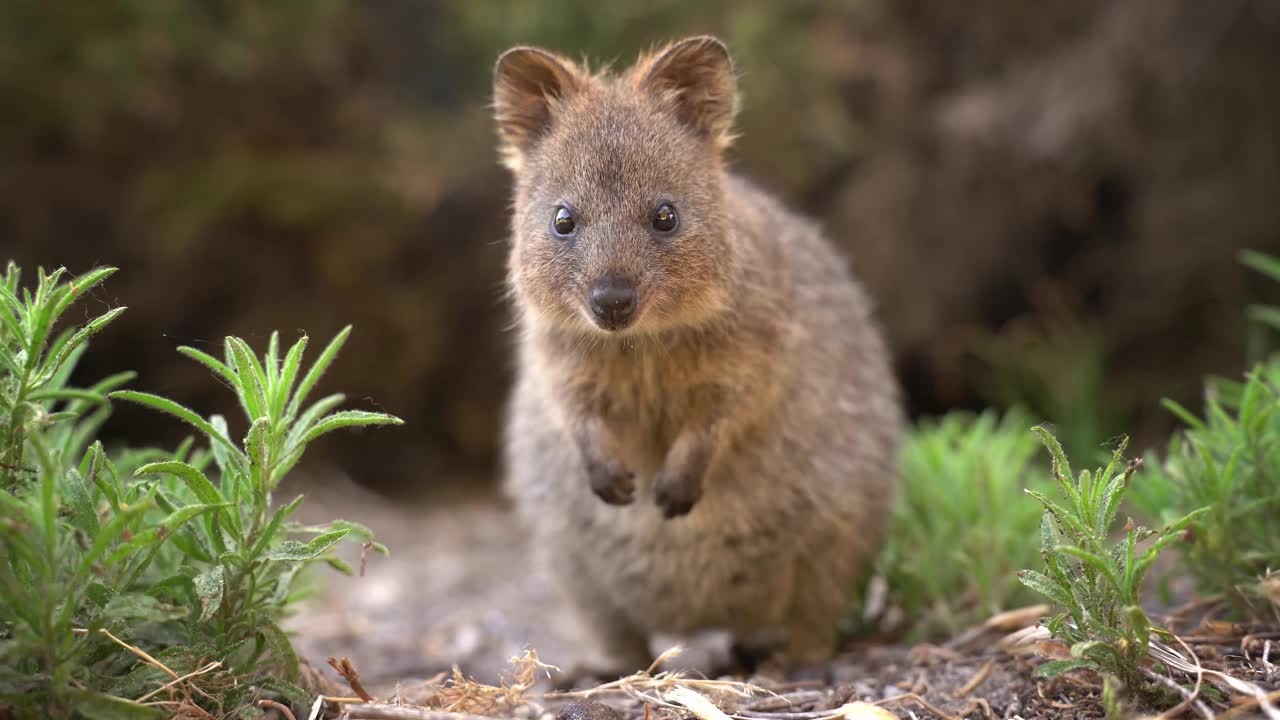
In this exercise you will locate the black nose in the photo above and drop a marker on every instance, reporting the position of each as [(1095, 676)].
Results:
[(613, 300)]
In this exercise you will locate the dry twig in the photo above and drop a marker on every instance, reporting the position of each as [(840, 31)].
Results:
[(185, 705), (913, 697), (381, 711), (284, 709), (1189, 699), (349, 673), (1248, 704), (978, 678), (1223, 681)]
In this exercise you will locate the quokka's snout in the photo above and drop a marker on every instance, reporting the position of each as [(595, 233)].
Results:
[(613, 301)]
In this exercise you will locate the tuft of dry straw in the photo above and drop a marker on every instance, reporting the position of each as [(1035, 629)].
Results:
[(461, 694), (454, 696), (651, 687)]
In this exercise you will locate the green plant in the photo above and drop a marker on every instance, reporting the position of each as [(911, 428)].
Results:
[(1265, 318), (1229, 461), (957, 537), (1097, 581), (180, 555)]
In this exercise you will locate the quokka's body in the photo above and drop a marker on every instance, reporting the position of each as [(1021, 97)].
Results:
[(704, 424)]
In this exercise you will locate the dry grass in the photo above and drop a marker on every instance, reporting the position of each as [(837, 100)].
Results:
[(669, 694)]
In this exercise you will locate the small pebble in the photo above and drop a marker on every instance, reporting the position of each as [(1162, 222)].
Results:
[(587, 709)]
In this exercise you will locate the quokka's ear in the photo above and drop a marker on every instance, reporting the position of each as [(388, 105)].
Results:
[(695, 78), (527, 83)]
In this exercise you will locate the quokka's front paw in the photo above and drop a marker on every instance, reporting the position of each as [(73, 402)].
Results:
[(677, 493), (612, 483)]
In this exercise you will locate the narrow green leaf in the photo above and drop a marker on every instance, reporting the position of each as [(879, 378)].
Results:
[(1262, 263), (83, 334), (1061, 468), (271, 364), (106, 385), (99, 706), (217, 366), (1064, 517), (10, 311), (251, 380), (39, 316), (8, 361), (95, 471), (115, 526), (349, 418), (67, 395), (139, 606), (1045, 586), (221, 457), (1140, 623), (273, 526), (1101, 652), (303, 423), (48, 506), (1098, 563), (79, 286), (1054, 668), (1266, 315), (159, 533), (338, 564), (288, 376), (209, 589), (255, 444), (317, 370), (172, 408), (84, 513), (359, 531), (200, 485), (282, 652), (294, 550), (286, 690), (1183, 414)]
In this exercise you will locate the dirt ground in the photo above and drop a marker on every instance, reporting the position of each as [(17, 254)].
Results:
[(459, 590)]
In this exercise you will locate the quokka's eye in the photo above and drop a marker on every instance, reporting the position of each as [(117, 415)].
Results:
[(665, 219), (562, 222)]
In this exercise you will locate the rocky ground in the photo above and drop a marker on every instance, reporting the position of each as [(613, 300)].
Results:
[(458, 590)]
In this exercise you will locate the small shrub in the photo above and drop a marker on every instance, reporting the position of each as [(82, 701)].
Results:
[(1229, 461), (958, 533), (1096, 581), (179, 554)]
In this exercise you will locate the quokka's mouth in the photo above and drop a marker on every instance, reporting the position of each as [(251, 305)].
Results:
[(613, 325)]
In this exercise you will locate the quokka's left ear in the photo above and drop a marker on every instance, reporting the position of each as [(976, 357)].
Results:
[(695, 78)]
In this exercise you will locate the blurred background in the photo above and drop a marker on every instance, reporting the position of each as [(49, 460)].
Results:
[(1046, 200)]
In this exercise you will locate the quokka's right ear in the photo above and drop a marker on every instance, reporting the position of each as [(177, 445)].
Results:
[(527, 84)]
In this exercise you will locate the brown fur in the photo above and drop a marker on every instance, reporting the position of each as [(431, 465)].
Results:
[(727, 459)]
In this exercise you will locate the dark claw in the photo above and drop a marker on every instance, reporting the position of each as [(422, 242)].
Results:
[(612, 485), (677, 496)]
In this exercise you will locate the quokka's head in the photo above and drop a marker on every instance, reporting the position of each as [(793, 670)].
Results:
[(619, 219)]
